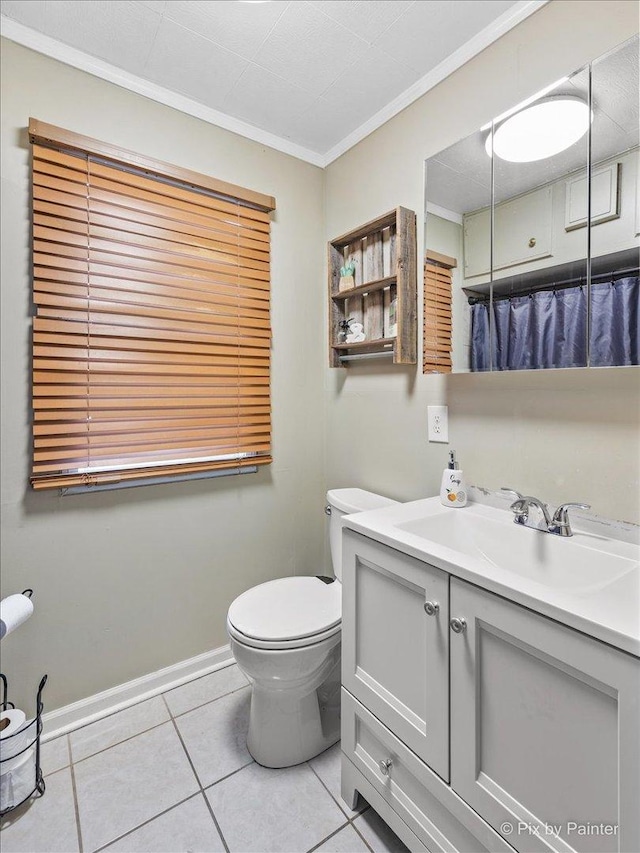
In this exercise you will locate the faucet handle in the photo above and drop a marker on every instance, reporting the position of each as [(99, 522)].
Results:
[(560, 522), (513, 492), (561, 515), (519, 507)]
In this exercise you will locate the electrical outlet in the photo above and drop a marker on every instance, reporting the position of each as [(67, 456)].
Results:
[(438, 420)]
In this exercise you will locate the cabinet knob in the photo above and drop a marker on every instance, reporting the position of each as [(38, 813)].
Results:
[(431, 608), (385, 766), (458, 626), (532, 242)]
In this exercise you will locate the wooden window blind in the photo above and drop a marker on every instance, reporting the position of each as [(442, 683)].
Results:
[(151, 334), (436, 341)]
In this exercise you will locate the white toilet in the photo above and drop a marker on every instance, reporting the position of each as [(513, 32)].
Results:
[(285, 637)]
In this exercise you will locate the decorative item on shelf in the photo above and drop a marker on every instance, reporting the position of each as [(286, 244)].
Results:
[(344, 329), (356, 334), (347, 277), (392, 330)]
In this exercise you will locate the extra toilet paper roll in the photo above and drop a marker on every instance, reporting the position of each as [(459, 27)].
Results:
[(355, 338), (13, 734), (14, 610), (18, 782)]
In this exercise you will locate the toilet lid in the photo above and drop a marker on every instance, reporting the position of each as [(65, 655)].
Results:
[(287, 609)]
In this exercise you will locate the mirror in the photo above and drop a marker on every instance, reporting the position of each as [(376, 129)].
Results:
[(529, 264), (457, 188), (615, 208)]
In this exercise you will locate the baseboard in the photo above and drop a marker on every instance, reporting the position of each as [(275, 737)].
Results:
[(100, 705)]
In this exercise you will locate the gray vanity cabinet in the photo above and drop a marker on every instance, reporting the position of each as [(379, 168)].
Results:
[(542, 722), (544, 728), (395, 656)]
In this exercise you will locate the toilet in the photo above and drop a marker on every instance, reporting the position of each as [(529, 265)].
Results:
[(285, 637)]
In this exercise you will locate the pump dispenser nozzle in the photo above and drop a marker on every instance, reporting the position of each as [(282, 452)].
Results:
[(453, 465)]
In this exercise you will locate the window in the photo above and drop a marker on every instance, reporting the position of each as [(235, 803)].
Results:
[(151, 334)]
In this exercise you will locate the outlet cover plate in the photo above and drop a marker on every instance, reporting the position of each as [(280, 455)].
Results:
[(438, 420)]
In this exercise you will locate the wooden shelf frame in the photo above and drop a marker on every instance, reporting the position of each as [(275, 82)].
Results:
[(385, 254), (369, 287), (379, 345)]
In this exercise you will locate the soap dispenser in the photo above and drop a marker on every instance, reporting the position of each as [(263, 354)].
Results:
[(452, 489)]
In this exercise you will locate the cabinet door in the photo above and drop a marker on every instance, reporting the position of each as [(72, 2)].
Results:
[(395, 655), (544, 728), (522, 229)]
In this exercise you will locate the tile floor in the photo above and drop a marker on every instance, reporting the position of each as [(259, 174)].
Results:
[(173, 774)]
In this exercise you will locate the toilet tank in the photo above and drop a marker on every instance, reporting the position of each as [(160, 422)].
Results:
[(345, 502)]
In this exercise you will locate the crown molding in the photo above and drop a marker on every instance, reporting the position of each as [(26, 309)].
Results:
[(444, 213), (82, 61), (511, 18), (78, 59)]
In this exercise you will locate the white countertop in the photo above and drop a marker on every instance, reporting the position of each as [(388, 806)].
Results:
[(606, 609)]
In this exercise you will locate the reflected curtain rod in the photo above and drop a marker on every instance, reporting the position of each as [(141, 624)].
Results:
[(566, 284)]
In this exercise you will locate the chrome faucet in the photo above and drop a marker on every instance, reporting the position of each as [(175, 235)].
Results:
[(559, 525)]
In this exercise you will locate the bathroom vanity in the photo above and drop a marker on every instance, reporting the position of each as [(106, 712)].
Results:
[(491, 681)]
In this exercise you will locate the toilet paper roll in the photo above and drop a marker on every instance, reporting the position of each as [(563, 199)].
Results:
[(14, 610), (355, 339), (13, 734), (18, 782)]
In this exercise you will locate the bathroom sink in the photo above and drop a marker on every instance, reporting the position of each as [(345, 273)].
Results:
[(589, 581), (582, 563)]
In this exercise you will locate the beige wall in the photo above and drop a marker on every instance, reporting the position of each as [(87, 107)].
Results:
[(128, 582), (561, 435)]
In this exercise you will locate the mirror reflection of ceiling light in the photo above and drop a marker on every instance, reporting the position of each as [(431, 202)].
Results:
[(540, 130), (530, 100)]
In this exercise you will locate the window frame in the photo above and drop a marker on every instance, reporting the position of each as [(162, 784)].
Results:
[(71, 475)]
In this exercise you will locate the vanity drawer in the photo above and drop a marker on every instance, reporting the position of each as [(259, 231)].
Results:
[(438, 817)]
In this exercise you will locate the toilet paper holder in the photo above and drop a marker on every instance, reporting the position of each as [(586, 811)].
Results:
[(20, 771)]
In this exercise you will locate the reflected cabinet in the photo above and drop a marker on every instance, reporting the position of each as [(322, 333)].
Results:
[(535, 219)]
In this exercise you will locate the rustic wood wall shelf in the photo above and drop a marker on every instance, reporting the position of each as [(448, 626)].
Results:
[(385, 283)]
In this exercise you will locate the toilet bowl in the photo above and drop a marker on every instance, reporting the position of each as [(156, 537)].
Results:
[(285, 636)]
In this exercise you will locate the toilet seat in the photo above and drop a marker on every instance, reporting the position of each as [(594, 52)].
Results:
[(286, 613), (274, 645)]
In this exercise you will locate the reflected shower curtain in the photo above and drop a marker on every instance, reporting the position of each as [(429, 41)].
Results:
[(615, 323), (549, 328)]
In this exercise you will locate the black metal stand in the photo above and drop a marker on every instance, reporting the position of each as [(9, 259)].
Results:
[(20, 757)]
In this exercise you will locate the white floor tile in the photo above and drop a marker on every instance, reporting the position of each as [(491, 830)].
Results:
[(345, 841), (124, 786), (205, 689), (47, 824), (117, 727), (54, 755), (187, 827), (327, 766), (274, 811), (216, 736), (380, 837)]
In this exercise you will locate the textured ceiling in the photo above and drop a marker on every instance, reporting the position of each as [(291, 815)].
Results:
[(308, 72)]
